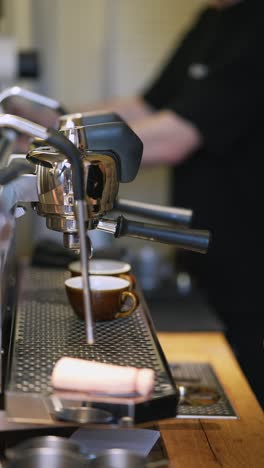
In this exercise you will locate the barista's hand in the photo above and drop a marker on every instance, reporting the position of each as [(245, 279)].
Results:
[(167, 137), (129, 108)]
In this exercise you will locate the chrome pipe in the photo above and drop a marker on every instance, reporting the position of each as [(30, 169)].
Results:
[(16, 91), (80, 206)]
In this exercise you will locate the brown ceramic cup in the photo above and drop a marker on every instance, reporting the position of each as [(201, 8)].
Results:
[(110, 297), (105, 267)]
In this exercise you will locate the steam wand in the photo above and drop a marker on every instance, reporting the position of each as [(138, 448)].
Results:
[(59, 141)]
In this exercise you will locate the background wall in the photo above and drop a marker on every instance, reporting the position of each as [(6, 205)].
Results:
[(94, 49)]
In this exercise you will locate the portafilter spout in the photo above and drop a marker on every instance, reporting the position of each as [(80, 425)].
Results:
[(60, 141)]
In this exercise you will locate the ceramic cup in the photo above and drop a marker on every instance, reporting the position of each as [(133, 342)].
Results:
[(105, 267), (110, 296)]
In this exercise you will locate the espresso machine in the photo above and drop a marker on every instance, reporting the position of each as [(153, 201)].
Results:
[(71, 176)]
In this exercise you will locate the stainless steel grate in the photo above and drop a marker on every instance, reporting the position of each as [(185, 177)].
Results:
[(202, 375), (47, 329)]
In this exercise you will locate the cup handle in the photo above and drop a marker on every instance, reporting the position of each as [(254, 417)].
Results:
[(135, 301), (130, 278)]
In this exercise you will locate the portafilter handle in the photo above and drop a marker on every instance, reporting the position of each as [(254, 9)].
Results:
[(189, 239), (167, 214), (59, 141)]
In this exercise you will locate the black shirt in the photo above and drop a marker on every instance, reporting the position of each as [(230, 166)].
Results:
[(215, 79)]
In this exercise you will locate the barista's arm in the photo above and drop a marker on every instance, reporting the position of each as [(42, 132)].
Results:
[(129, 108), (167, 137)]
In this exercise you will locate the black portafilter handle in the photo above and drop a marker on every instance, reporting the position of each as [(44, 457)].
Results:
[(167, 214), (189, 239), (119, 141)]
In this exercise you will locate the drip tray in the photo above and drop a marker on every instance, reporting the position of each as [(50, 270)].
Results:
[(47, 329), (201, 394)]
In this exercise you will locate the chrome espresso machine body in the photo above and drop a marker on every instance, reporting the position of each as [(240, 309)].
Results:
[(74, 183)]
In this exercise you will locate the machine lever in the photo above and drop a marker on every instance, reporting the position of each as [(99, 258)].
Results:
[(8, 137), (16, 91)]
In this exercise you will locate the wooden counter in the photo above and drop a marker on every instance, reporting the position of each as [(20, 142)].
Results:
[(196, 443)]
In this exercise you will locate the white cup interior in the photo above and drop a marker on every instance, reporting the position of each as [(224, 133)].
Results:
[(98, 283), (102, 267)]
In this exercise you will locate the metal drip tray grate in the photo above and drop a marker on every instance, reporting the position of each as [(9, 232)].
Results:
[(207, 398), (47, 329)]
